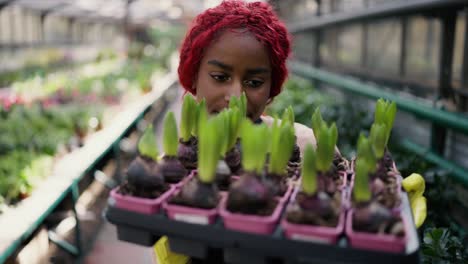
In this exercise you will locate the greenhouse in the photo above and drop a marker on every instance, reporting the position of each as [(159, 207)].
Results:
[(235, 131)]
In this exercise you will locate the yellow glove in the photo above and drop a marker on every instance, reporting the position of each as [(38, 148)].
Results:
[(415, 186), (164, 255)]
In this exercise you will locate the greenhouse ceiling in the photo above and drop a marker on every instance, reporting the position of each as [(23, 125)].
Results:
[(139, 11)]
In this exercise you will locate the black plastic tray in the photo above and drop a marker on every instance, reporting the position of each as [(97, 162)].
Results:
[(215, 244)]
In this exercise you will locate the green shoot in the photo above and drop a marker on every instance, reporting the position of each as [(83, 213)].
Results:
[(170, 135), (326, 146), (385, 112), (239, 102), (147, 144), (365, 165), (366, 153), (309, 171), (235, 122), (282, 145), (243, 105), (224, 117), (188, 117), (200, 110), (361, 190), (254, 141), (202, 116), (209, 144), (288, 116), (234, 102), (377, 136), (317, 122)]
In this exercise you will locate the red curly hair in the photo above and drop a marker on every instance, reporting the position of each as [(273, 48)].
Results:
[(258, 18)]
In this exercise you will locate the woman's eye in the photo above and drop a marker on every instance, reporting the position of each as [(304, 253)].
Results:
[(253, 83), (220, 77)]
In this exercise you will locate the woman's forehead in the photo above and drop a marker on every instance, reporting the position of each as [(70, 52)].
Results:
[(238, 46)]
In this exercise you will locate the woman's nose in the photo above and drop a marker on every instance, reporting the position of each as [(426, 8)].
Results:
[(235, 89)]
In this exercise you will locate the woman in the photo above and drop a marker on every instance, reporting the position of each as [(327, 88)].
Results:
[(238, 47)]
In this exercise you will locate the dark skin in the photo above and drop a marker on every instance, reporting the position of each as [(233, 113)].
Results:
[(235, 62)]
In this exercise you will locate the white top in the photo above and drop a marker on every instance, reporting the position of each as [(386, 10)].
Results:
[(304, 134)]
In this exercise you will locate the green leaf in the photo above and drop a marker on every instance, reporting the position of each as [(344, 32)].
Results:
[(326, 146), (234, 102), (380, 110), (288, 116), (170, 135), (210, 140), (281, 147), (147, 144), (254, 142), (235, 122), (188, 117), (243, 105), (390, 118), (223, 119), (385, 113), (200, 112), (361, 189), (317, 122), (202, 116), (377, 139), (309, 171), (365, 152)]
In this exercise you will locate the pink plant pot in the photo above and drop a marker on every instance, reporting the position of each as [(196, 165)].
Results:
[(250, 223), (140, 205), (378, 242), (285, 198), (320, 234), (191, 214)]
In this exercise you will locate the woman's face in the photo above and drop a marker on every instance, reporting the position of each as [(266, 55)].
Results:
[(235, 62)]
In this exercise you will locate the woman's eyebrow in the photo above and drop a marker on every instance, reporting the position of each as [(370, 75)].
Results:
[(227, 67), (221, 65), (257, 71)]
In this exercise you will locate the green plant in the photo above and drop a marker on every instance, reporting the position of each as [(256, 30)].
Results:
[(281, 146), (365, 164), (188, 117), (309, 171), (254, 142), (170, 135), (440, 246), (326, 137), (351, 116), (147, 144), (210, 143)]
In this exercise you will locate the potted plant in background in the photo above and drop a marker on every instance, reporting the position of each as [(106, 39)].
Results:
[(144, 189), (250, 205), (197, 200), (317, 212)]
